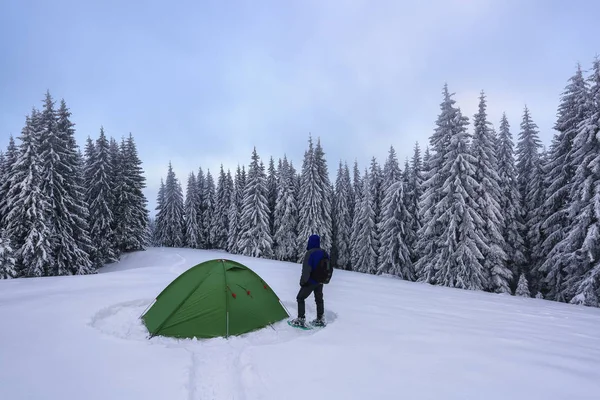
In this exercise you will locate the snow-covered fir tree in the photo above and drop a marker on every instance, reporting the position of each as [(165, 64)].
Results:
[(342, 218), (51, 152), (286, 213), (120, 193), (61, 183), (255, 237), (272, 194), (523, 287), (220, 221), (170, 218), (365, 239), (434, 177), (116, 183), (333, 251), (367, 211), (159, 231), (356, 188), (538, 233), (100, 198), (2, 165), (395, 257), (10, 158), (3, 177), (8, 269), (232, 226), (235, 211), (412, 195), (561, 173), (314, 200), (488, 199), (27, 218), (354, 230), (71, 229), (408, 199), (457, 261), (152, 232), (133, 229), (582, 281), (327, 204), (426, 159), (377, 190), (150, 226), (88, 173), (298, 185), (201, 182), (192, 230), (351, 194), (531, 191), (208, 211), (391, 171), (510, 202), (230, 190), (75, 189)]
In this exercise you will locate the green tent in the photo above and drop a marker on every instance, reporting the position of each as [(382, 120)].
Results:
[(212, 299)]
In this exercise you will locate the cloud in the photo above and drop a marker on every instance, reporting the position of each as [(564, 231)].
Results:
[(202, 84)]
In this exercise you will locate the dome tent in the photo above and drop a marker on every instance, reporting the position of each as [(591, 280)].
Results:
[(216, 298)]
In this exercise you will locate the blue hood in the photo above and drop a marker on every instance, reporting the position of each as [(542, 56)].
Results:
[(314, 242)]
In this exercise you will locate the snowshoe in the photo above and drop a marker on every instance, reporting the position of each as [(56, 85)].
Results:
[(318, 323), (299, 323)]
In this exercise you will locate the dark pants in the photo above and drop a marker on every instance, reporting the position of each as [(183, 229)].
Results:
[(303, 295)]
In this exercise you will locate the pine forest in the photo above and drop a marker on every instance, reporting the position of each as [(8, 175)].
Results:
[(475, 207)]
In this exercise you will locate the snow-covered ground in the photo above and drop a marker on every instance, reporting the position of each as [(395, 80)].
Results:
[(80, 338)]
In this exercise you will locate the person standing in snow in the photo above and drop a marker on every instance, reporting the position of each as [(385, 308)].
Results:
[(308, 284)]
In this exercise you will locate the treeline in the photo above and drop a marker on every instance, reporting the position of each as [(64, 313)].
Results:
[(472, 212), (63, 212)]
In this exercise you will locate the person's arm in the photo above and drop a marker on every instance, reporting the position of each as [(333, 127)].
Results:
[(306, 269)]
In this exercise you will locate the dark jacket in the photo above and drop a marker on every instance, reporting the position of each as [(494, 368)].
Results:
[(313, 255)]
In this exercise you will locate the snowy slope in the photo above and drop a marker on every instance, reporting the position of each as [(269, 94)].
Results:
[(80, 338)]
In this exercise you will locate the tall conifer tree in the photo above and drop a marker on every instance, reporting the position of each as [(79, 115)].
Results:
[(510, 202), (191, 209), (488, 199), (434, 177), (100, 199), (343, 217), (208, 211), (582, 281), (531, 190), (561, 173), (314, 200), (27, 219), (171, 215), (255, 237), (286, 213), (10, 159), (366, 243)]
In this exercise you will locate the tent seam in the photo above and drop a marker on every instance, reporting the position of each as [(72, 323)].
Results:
[(226, 300), (180, 304)]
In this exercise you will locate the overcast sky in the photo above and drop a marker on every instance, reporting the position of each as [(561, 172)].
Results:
[(199, 83)]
